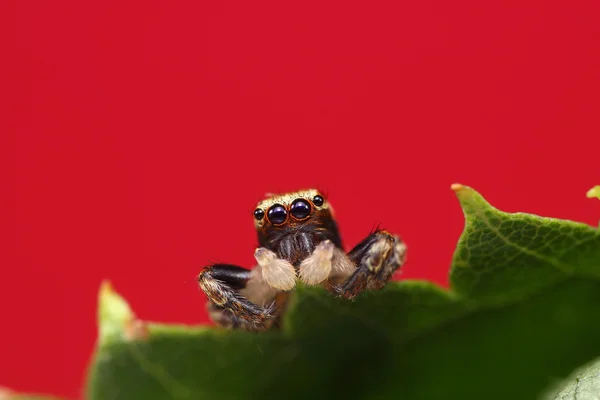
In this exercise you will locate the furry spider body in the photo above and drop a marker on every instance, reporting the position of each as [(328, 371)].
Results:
[(299, 240)]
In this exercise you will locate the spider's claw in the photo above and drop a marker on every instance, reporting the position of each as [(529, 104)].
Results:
[(338, 291), (271, 310)]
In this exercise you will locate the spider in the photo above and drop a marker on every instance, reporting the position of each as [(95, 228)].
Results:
[(299, 240)]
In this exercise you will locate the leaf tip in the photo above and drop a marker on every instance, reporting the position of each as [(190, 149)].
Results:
[(9, 394), (6, 393), (594, 192), (464, 193), (106, 288), (111, 304), (456, 187), (116, 320), (470, 200)]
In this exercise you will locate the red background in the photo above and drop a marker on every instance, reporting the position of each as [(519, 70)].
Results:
[(140, 137)]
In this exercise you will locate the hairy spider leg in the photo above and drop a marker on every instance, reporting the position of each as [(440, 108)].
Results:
[(238, 297), (376, 258)]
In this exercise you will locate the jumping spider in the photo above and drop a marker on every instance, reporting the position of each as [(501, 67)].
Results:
[(298, 239)]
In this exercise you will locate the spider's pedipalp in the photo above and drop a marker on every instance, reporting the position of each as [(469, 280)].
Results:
[(277, 272), (317, 267)]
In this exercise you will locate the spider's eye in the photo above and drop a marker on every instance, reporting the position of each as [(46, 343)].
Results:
[(259, 214), (300, 209), (318, 200), (277, 214)]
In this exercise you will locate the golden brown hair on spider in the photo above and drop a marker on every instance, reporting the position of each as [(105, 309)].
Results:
[(298, 239)]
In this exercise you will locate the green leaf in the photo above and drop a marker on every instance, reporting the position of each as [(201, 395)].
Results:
[(522, 313), (594, 192)]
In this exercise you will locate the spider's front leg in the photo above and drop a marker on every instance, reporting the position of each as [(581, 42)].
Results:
[(238, 298), (376, 258)]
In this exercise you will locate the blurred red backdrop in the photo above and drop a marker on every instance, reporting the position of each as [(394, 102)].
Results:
[(138, 138)]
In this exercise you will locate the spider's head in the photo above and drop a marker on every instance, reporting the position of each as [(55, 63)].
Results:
[(291, 210), (300, 214)]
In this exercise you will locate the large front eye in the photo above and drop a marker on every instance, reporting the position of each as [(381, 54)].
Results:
[(277, 214), (300, 209)]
